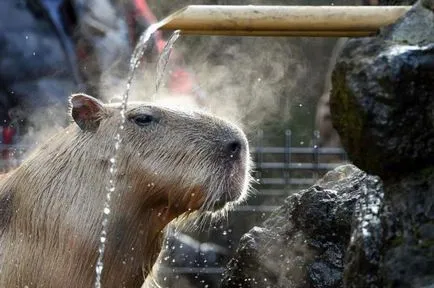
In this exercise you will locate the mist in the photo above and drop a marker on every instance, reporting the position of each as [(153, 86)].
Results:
[(252, 81)]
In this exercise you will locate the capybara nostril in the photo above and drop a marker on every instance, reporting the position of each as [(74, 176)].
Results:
[(234, 147)]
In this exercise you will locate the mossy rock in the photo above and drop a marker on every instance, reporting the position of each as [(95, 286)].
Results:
[(381, 99)]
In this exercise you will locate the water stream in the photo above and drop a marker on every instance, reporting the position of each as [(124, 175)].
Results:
[(136, 58), (164, 59)]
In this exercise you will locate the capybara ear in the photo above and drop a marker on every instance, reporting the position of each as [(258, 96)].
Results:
[(87, 111)]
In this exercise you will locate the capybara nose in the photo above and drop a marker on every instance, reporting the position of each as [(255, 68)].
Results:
[(234, 147)]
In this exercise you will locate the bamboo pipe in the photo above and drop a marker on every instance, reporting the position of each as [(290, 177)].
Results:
[(316, 21)]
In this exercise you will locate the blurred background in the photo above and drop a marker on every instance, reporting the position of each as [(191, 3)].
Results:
[(276, 88)]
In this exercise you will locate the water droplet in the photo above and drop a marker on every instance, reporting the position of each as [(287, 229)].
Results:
[(98, 269), (106, 211)]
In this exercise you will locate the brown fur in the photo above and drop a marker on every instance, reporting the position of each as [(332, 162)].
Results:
[(51, 206)]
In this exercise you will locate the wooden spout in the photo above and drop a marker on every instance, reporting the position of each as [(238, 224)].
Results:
[(320, 21)]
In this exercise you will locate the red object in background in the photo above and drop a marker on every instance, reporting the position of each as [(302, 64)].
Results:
[(8, 134), (181, 81), (144, 10)]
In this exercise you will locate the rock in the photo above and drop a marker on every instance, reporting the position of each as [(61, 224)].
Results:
[(408, 221), (363, 254), (383, 108), (393, 239), (351, 229), (382, 100), (303, 243)]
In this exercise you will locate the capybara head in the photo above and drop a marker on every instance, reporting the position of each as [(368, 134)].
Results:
[(194, 160)]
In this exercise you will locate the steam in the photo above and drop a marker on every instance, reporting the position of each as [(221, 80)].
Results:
[(241, 80), (41, 125), (244, 78), (247, 80)]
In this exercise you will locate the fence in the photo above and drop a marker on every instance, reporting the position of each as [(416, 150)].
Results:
[(279, 171)]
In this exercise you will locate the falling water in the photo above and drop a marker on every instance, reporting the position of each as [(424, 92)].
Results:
[(164, 59), (139, 51)]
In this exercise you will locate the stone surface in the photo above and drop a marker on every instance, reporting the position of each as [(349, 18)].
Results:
[(392, 243), (303, 243), (408, 221), (382, 100), (363, 254), (350, 229), (383, 108)]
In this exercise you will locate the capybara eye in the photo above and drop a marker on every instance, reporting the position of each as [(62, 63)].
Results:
[(143, 119)]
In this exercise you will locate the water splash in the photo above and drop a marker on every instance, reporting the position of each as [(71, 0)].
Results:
[(139, 51), (164, 58)]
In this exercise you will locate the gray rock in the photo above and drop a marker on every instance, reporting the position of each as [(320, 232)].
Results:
[(381, 100), (363, 254), (383, 107), (348, 230), (415, 28), (408, 221), (303, 243)]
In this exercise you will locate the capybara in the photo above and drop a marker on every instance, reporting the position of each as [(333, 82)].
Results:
[(169, 163)]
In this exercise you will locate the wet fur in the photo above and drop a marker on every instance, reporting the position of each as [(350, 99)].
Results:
[(51, 206)]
